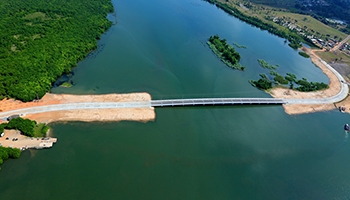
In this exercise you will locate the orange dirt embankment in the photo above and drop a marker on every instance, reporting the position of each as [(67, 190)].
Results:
[(334, 88), (88, 115)]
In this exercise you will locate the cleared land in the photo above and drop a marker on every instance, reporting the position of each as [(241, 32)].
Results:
[(88, 115)]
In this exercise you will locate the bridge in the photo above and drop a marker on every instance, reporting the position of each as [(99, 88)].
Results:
[(217, 101), (342, 94)]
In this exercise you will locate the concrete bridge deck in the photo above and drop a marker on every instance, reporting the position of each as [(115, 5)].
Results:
[(216, 101)]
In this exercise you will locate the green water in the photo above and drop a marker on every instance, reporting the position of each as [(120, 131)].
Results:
[(239, 152)]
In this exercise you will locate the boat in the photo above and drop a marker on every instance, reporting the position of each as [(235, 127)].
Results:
[(346, 127)]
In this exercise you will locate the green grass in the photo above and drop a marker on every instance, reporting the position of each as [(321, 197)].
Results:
[(330, 57), (66, 84), (40, 130), (35, 15)]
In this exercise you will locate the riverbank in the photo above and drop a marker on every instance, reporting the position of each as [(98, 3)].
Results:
[(334, 88), (87, 115), (16, 140)]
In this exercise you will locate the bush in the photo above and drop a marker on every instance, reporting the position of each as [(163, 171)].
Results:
[(280, 80), (26, 126), (304, 54), (8, 152), (263, 83)]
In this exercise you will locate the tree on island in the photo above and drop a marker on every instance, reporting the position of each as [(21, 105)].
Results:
[(264, 83), (227, 53)]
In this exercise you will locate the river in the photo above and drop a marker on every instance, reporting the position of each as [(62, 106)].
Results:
[(228, 152)]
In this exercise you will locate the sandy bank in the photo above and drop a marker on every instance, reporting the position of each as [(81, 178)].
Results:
[(334, 88), (131, 114)]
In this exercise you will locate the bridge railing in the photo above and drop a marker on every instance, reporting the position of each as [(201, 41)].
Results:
[(215, 101)]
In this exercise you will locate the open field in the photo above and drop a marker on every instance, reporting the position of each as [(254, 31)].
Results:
[(339, 61), (331, 57), (282, 4)]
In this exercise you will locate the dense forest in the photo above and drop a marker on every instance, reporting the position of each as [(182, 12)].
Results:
[(40, 40)]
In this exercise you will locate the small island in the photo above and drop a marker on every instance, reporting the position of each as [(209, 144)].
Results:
[(66, 84), (265, 82), (227, 53)]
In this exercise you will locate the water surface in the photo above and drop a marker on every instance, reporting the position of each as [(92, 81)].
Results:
[(238, 152)]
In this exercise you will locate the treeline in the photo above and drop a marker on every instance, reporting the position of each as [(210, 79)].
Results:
[(265, 82), (293, 38), (227, 53), (8, 152), (40, 40), (25, 126)]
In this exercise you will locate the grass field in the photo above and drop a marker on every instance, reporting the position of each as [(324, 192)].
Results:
[(337, 57), (260, 11), (281, 3), (40, 130)]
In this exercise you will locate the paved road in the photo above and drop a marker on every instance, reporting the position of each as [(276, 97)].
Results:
[(75, 106), (340, 43), (343, 93)]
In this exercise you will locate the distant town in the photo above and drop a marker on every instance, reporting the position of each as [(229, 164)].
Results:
[(327, 43)]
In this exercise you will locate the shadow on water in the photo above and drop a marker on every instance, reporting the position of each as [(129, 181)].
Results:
[(64, 78)]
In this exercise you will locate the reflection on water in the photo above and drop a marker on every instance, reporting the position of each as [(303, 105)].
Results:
[(346, 135)]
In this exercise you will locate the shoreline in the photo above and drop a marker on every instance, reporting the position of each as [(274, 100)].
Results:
[(148, 114), (334, 88), (87, 115)]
